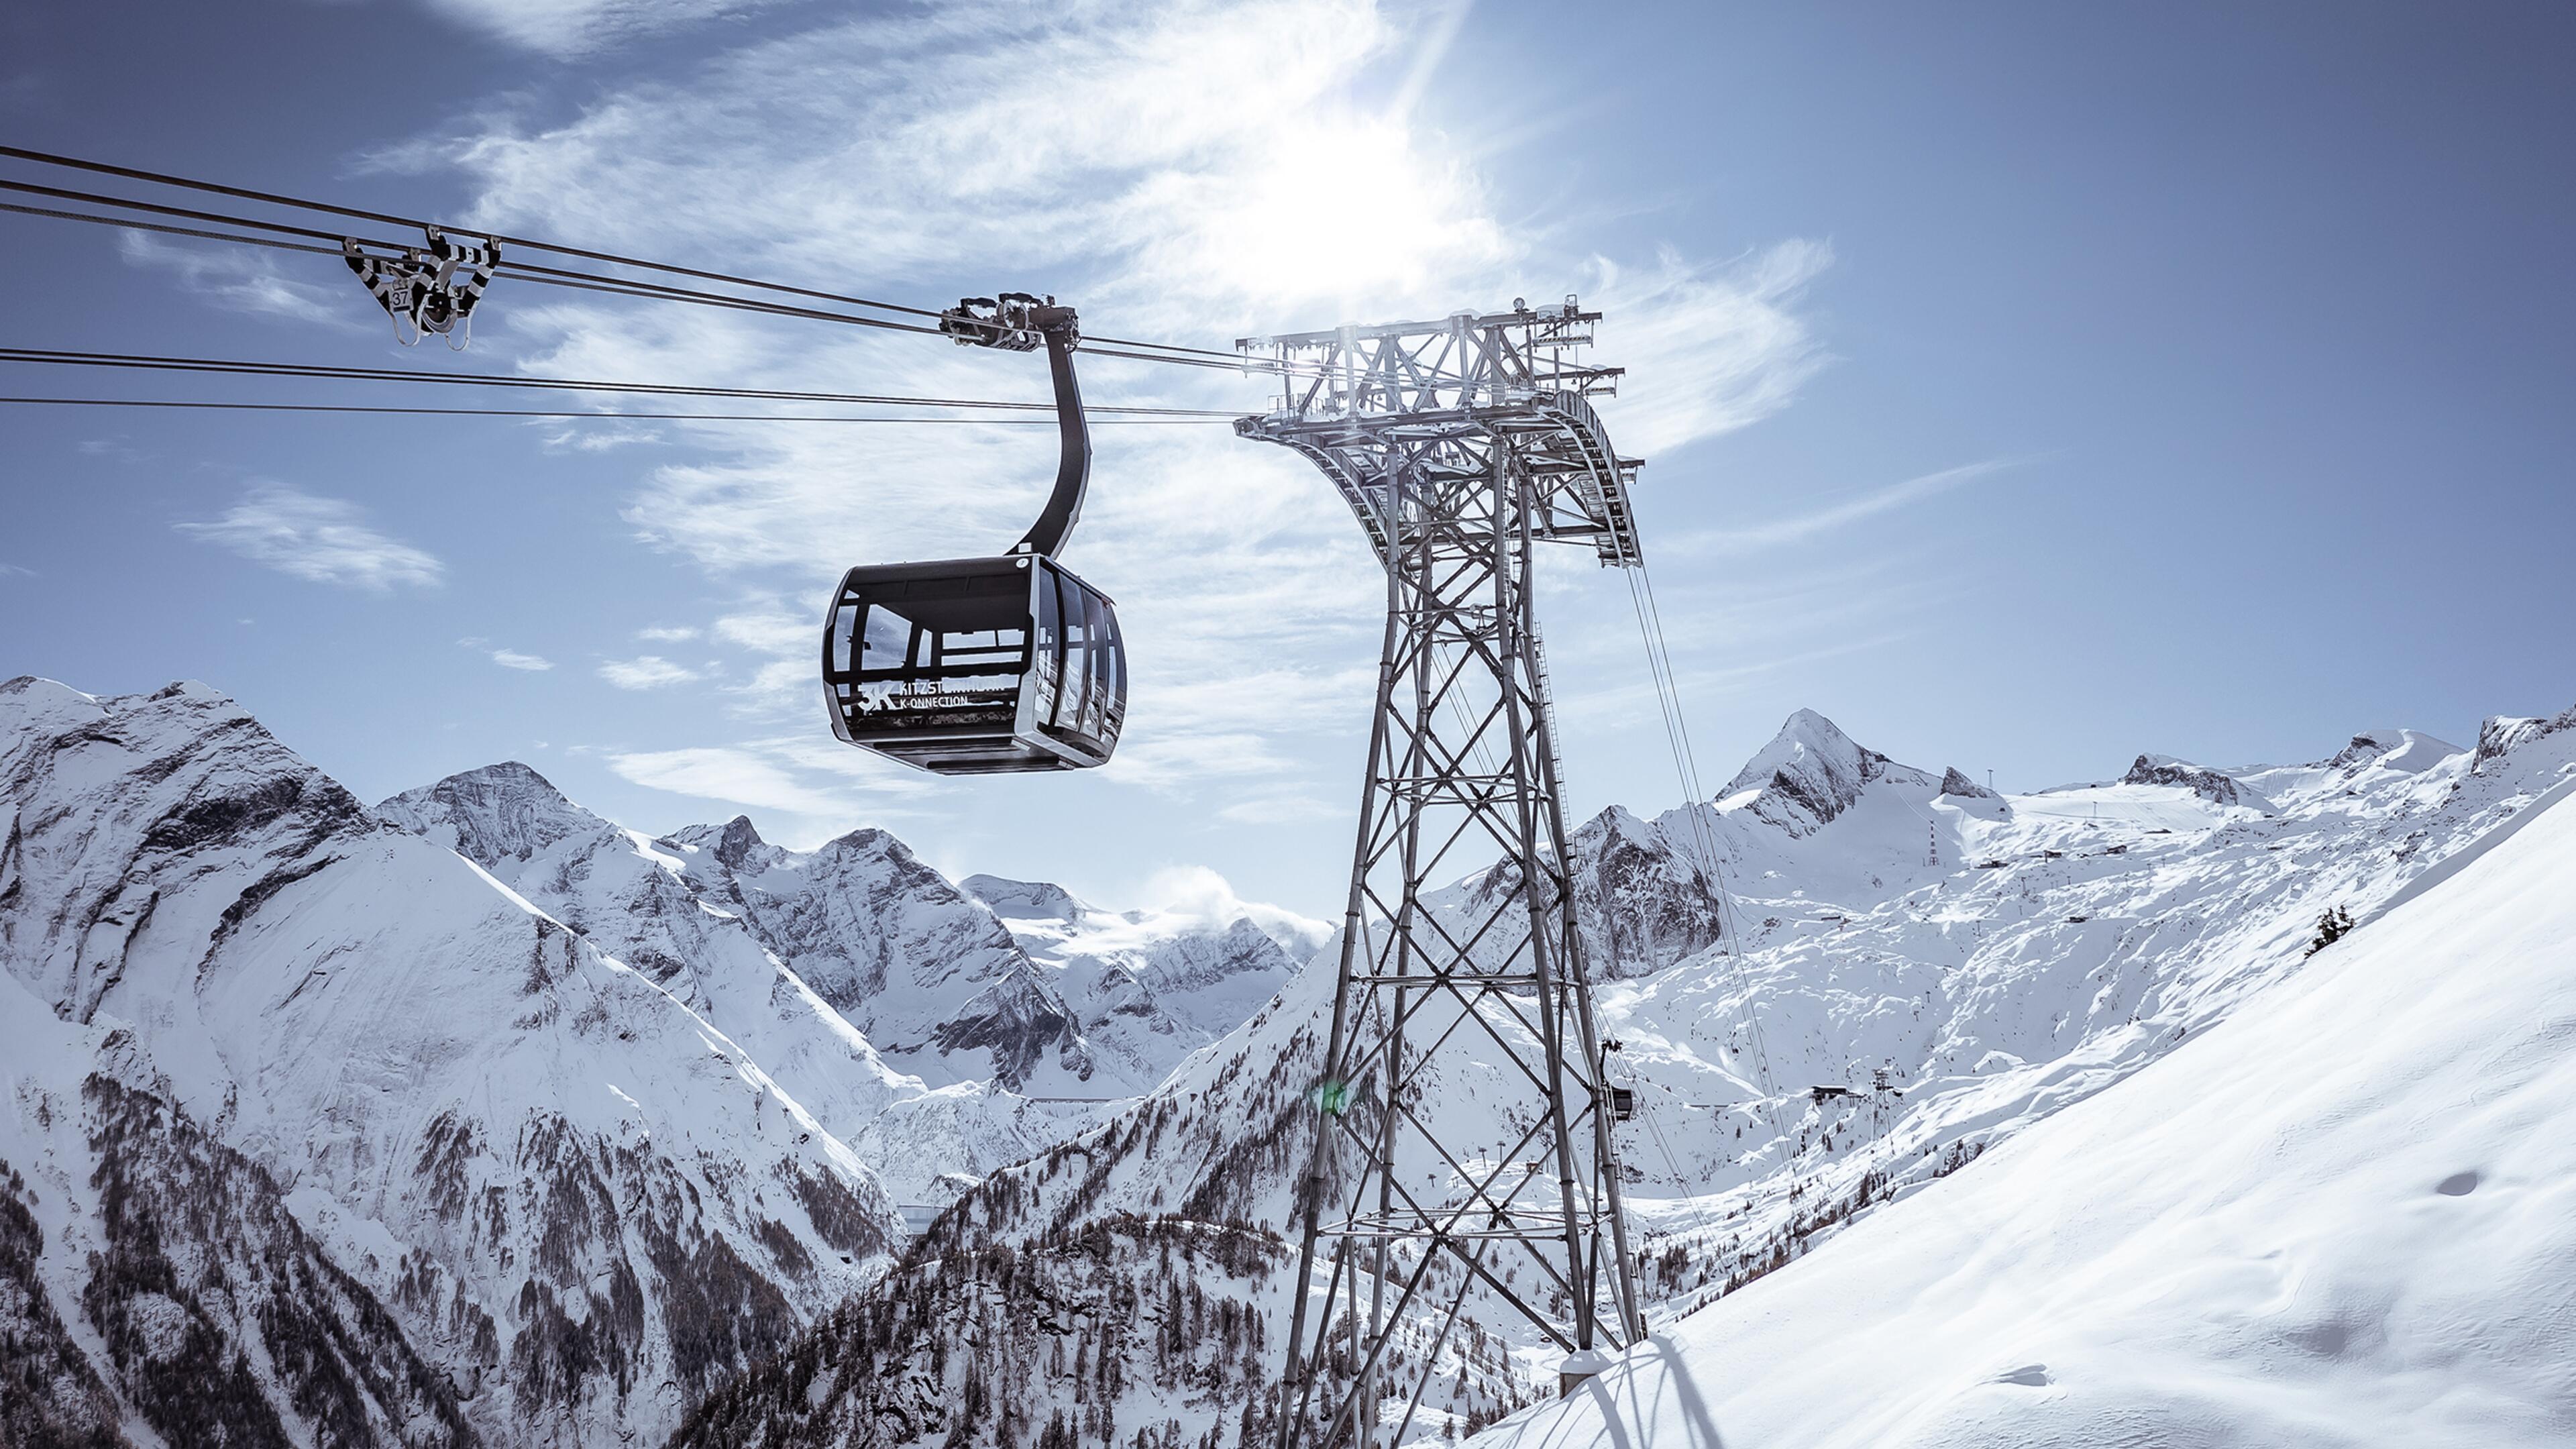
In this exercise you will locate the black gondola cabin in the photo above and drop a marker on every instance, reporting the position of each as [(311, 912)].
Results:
[(976, 666), (981, 666)]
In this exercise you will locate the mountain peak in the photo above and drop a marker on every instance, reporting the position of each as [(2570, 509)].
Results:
[(1812, 772), (2409, 751), (1022, 899), (1805, 734), (492, 812), (2210, 785), (736, 843)]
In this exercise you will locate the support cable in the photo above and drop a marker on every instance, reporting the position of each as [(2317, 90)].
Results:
[(251, 368), (1686, 764), (602, 415), (1174, 353), (1700, 845), (1636, 1085), (522, 243), (525, 271)]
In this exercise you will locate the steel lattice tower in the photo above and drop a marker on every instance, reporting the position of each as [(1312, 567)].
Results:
[(1459, 444)]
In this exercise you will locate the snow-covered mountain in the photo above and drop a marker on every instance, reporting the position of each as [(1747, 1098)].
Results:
[(941, 1030), (652, 905), (1950, 966), (204, 1309), (451, 1130), (966, 983), (2347, 1215), (479, 1118), (638, 903), (1149, 986)]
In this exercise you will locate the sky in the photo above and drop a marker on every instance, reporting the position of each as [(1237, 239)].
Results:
[(2022, 386)]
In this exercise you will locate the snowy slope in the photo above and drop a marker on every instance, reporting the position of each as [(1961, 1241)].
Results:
[(579, 1200), (636, 903), (1993, 961), (155, 1288), (1025, 1026), (654, 905), (1151, 986), (2346, 1216)]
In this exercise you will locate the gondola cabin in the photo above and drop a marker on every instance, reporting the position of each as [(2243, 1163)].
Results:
[(976, 666), (987, 666)]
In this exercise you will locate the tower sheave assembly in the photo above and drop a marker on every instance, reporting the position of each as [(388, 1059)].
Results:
[(981, 666), (1463, 1127)]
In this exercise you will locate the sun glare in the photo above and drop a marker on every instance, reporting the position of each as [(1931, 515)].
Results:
[(1352, 211)]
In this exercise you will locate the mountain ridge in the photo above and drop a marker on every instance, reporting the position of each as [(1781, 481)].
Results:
[(589, 1038), (2041, 951), (549, 1172)]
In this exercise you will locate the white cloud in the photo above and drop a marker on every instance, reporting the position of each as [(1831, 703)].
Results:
[(244, 279), (1168, 761), (1186, 140), (1849, 511), (778, 688), (10, 570), (569, 28), (648, 671), (1709, 349), (1280, 810), (506, 658), (667, 634), (1181, 174), (737, 776), (770, 630), (600, 437), (1197, 893), (822, 780), (320, 539)]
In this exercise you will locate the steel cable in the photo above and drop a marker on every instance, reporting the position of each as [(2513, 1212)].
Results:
[(252, 368), (278, 407), (1175, 353)]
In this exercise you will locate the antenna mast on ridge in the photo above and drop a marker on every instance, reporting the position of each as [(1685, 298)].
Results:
[(1437, 1170)]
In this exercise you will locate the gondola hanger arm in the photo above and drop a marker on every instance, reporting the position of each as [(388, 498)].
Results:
[(1020, 322)]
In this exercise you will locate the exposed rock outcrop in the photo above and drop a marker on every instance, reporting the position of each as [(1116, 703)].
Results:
[(2208, 784)]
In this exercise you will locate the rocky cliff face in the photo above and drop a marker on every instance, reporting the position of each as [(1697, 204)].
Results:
[(2502, 734), (2210, 785), (916, 965), (573, 1197)]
